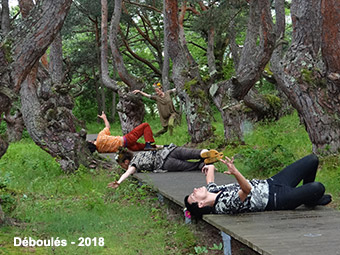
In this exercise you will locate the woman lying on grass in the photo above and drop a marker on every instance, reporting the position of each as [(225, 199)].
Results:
[(170, 158), (279, 192)]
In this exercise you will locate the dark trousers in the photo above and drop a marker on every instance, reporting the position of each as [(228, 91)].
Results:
[(178, 160), (283, 191)]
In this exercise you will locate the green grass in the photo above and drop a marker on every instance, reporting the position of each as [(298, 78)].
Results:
[(49, 203)]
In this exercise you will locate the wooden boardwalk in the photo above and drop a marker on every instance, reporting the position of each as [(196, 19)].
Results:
[(300, 232)]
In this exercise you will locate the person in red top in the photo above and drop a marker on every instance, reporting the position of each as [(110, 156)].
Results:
[(106, 143)]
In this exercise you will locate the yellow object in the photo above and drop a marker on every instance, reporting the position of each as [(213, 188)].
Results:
[(158, 84)]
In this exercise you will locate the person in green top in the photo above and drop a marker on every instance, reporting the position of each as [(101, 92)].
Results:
[(167, 112)]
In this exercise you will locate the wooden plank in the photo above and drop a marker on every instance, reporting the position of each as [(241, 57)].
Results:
[(302, 231)]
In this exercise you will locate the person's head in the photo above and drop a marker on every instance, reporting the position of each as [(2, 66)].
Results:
[(196, 202), (91, 146), (123, 158), (158, 88)]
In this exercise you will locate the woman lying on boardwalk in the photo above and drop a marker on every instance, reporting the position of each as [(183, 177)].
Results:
[(170, 158), (279, 192), (107, 143)]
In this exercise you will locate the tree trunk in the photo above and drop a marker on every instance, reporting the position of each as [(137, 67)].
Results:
[(98, 93), (113, 106), (130, 107), (5, 20), (310, 74), (166, 61), (186, 77), (15, 126), (6, 96), (254, 57), (47, 111), (210, 53), (32, 37)]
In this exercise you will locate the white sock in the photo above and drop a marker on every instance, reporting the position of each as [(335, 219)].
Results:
[(202, 151)]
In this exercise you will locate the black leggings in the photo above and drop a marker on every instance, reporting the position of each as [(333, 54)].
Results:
[(283, 191)]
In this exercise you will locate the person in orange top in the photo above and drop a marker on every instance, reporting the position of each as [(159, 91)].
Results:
[(106, 143)]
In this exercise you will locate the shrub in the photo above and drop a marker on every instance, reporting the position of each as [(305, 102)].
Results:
[(265, 162)]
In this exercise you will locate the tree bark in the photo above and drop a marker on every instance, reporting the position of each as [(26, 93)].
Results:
[(309, 73), (5, 20), (253, 59), (32, 37), (166, 61), (210, 53), (186, 77), (130, 107), (15, 126), (47, 111)]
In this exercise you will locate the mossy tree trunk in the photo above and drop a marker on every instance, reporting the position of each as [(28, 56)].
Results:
[(4, 17), (47, 110), (130, 107), (24, 46), (15, 123), (229, 95), (310, 71), (185, 74)]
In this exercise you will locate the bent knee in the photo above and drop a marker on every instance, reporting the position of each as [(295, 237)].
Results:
[(317, 187), (313, 159)]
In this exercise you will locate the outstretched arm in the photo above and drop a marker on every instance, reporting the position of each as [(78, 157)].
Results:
[(103, 117), (115, 184), (244, 184), (172, 90), (209, 171), (141, 92)]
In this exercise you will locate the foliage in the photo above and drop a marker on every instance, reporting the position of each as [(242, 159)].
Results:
[(205, 250), (265, 162), (3, 127), (7, 197)]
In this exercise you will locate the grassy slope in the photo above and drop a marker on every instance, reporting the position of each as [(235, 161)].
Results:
[(52, 204)]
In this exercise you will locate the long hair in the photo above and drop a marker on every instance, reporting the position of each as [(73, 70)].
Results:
[(195, 210), (123, 154), (91, 146)]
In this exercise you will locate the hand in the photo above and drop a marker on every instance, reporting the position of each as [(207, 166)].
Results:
[(136, 91), (113, 185), (207, 168), (103, 116), (230, 164)]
